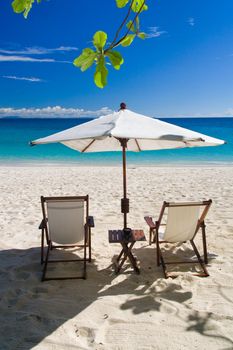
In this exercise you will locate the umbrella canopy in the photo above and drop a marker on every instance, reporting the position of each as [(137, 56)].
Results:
[(127, 130), (143, 133)]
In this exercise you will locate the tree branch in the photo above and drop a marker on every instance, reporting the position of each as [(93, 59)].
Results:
[(122, 24), (114, 44)]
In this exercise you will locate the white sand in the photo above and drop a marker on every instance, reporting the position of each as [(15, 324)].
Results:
[(106, 311)]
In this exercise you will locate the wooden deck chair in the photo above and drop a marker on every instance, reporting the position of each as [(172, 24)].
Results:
[(66, 224), (184, 220)]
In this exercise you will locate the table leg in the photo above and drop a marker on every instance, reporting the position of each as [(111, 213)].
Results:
[(127, 253), (120, 264)]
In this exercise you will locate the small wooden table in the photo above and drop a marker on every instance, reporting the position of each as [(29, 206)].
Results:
[(117, 236)]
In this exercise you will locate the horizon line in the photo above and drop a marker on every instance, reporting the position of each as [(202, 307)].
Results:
[(94, 117)]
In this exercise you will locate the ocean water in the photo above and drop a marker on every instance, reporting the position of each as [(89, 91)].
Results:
[(15, 134)]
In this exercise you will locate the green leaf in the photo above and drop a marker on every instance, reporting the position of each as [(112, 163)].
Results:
[(86, 59), (18, 6), (128, 40), (121, 3), (142, 35), (131, 26), (99, 40), (137, 4), (115, 58), (101, 73), (24, 6)]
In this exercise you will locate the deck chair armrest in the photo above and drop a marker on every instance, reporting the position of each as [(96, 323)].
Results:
[(42, 224), (150, 222), (90, 221)]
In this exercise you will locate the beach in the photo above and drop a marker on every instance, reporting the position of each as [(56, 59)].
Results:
[(109, 311)]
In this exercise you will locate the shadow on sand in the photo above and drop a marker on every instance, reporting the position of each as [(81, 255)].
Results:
[(31, 310)]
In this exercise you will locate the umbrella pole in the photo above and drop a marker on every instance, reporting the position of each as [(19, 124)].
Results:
[(124, 200)]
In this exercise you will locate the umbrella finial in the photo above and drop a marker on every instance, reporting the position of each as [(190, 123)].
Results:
[(122, 105)]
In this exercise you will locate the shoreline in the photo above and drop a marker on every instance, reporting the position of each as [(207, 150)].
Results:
[(35, 164)]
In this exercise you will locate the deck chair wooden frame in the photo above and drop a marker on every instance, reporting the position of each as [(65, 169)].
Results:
[(154, 231), (48, 239)]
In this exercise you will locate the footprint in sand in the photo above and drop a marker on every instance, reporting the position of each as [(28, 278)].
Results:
[(85, 335)]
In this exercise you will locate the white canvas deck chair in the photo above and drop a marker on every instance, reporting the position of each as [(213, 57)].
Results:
[(66, 224), (184, 220)]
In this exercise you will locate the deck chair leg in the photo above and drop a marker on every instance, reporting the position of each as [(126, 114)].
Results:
[(85, 263), (47, 236), (85, 269), (86, 239), (204, 244), (153, 236), (89, 244), (158, 249), (42, 247), (206, 274), (46, 262), (163, 263), (150, 235)]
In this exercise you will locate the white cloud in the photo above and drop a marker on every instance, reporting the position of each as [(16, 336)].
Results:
[(52, 112), (191, 21), (31, 79), (4, 58), (24, 55), (38, 50), (7, 58), (154, 32)]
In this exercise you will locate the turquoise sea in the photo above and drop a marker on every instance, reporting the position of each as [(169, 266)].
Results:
[(15, 134)]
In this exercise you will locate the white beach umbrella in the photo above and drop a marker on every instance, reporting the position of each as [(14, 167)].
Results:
[(127, 130)]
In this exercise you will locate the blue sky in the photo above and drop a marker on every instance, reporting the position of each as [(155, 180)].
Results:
[(184, 69)]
